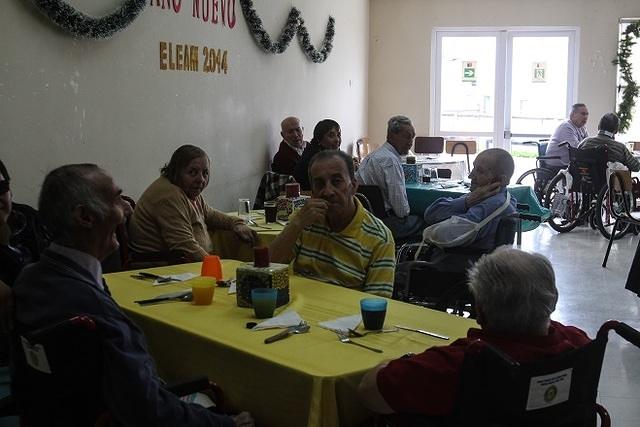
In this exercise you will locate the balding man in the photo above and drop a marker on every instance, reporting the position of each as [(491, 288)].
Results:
[(291, 147), (492, 171), (82, 206)]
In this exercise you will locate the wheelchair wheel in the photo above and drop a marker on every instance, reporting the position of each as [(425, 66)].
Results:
[(565, 205), (603, 218), (538, 179)]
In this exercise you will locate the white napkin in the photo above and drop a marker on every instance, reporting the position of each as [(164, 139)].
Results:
[(174, 278), (342, 324), (232, 287), (284, 320)]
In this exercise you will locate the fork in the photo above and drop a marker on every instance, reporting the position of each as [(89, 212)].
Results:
[(345, 339)]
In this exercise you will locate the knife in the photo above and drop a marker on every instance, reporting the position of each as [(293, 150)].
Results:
[(422, 331), (165, 297), (297, 329), (160, 279)]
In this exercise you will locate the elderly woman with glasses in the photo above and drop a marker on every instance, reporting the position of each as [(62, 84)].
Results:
[(173, 216)]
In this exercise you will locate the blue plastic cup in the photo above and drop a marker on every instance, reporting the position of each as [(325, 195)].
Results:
[(373, 312), (264, 301)]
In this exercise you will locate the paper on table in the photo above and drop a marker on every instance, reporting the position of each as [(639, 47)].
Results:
[(284, 320), (174, 278), (342, 324)]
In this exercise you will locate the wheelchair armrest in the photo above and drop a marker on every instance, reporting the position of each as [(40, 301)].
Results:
[(628, 333), (522, 207), (548, 158)]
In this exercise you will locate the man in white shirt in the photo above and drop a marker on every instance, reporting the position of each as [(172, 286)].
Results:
[(383, 168), (573, 131)]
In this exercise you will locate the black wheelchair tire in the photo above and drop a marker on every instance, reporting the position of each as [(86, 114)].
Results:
[(558, 224), (623, 228), (541, 178)]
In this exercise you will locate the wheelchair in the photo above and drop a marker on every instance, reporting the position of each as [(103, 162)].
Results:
[(441, 283), (580, 194), (495, 390), (540, 177)]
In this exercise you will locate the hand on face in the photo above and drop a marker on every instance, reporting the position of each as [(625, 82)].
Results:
[(482, 192), (313, 212), (245, 233)]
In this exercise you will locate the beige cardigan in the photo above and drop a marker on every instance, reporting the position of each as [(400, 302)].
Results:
[(165, 219)]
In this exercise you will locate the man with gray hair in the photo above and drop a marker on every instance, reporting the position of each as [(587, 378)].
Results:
[(515, 294), (572, 130), (383, 168), (291, 147), (82, 206), (616, 151)]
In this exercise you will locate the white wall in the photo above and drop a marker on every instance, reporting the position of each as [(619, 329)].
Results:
[(400, 48), (64, 100)]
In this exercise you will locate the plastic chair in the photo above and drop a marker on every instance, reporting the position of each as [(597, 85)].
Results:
[(620, 208), (364, 147), (66, 384), (466, 147), (374, 196), (496, 391)]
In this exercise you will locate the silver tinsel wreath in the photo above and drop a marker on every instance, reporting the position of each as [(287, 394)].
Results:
[(295, 24), (81, 25)]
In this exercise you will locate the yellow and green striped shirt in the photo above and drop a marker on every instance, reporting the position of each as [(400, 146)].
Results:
[(362, 256)]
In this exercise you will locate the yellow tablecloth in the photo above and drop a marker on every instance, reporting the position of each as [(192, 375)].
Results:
[(304, 380), (228, 246)]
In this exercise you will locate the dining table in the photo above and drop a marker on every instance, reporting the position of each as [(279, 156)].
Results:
[(422, 195), (227, 245), (307, 379)]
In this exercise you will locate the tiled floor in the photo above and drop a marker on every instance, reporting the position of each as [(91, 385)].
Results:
[(590, 295)]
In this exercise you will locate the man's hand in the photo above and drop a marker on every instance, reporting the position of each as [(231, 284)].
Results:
[(243, 419), (245, 233), (313, 212), (6, 308), (481, 193)]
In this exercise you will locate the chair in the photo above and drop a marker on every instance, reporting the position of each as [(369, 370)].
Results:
[(467, 147), (373, 194), (58, 375), (428, 145), (560, 391), (364, 201), (364, 147), (271, 186), (620, 208)]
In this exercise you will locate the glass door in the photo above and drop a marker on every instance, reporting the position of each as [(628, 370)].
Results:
[(502, 86)]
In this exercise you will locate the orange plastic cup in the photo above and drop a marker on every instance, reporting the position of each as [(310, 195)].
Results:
[(212, 267), (202, 289)]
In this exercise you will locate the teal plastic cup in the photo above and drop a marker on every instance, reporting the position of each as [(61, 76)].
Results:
[(264, 301), (373, 312)]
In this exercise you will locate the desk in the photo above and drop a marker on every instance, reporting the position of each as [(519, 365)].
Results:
[(304, 380), (422, 196), (227, 245)]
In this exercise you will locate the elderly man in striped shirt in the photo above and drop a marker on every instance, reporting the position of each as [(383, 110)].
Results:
[(617, 152), (333, 238)]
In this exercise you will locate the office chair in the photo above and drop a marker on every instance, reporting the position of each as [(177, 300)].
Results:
[(374, 195)]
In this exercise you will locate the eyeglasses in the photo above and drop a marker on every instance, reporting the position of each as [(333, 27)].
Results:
[(4, 186)]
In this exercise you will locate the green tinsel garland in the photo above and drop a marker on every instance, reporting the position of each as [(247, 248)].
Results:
[(295, 24), (630, 91), (81, 25)]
